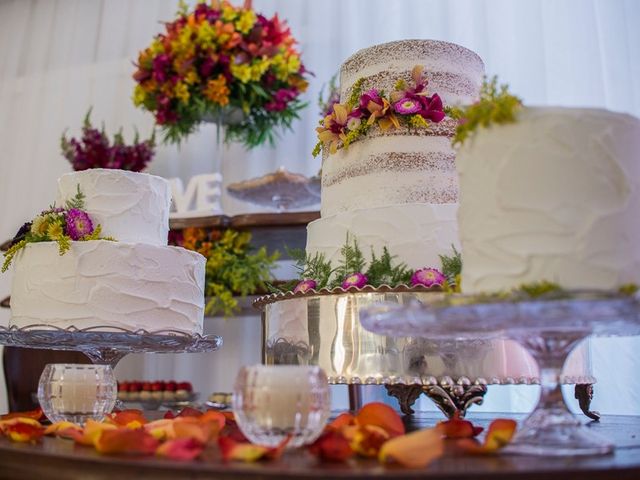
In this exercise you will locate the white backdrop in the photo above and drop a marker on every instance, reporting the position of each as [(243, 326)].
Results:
[(58, 57)]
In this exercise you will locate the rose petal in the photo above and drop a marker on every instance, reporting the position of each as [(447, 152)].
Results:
[(342, 420), (57, 427), (368, 439), (125, 440), (24, 432), (381, 415), (499, 434), (91, 432), (36, 414), (458, 428), (180, 449), (189, 412), (332, 446), (414, 450), (127, 418), (244, 452)]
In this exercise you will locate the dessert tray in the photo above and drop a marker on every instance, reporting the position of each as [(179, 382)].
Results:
[(281, 190), (323, 328), (108, 345), (548, 327)]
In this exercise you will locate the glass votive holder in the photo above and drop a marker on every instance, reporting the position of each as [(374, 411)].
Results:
[(273, 402), (77, 392)]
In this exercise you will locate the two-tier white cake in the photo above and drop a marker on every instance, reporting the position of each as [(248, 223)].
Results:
[(137, 282)]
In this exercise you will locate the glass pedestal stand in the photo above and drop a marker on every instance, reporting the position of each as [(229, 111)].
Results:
[(549, 328)]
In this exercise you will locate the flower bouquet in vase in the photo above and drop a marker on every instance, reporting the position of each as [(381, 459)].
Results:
[(225, 64)]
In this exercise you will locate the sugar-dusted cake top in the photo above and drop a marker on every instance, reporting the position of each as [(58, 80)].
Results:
[(131, 207), (453, 71)]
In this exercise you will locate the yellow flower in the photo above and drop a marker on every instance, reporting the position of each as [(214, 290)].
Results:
[(182, 92), (228, 13), (217, 91), (191, 77), (241, 71), (55, 231), (39, 225), (156, 48), (206, 35), (259, 68), (139, 96), (246, 21)]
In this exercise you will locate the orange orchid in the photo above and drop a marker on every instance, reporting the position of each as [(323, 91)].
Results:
[(414, 450), (333, 129), (499, 434)]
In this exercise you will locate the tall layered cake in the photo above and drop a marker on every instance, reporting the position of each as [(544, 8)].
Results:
[(552, 197), (135, 282), (397, 187)]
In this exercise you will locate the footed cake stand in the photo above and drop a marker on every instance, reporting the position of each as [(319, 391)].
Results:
[(548, 327), (108, 345)]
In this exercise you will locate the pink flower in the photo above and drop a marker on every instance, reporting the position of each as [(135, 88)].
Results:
[(370, 96), (428, 277), (78, 224), (355, 279), (305, 285), (407, 106), (432, 108)]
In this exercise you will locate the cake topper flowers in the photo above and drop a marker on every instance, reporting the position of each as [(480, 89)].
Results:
[(56, 224), (409, 105), (218, 61)]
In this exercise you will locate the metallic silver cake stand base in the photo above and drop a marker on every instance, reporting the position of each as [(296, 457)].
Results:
[(108, 345), (548, 327)]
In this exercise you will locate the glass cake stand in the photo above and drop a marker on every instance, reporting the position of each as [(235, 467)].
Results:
[(549, 327), (108, 345)]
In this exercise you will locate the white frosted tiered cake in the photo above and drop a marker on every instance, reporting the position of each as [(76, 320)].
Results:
[(552, 197), (398, 188), (137, 282)]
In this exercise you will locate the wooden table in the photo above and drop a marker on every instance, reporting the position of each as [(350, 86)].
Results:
[(61, 460)]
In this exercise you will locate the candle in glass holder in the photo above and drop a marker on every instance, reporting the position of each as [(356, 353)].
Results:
[(77, 392), (273, 402)]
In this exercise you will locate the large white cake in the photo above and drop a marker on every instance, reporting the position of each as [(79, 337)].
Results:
[(552, 197), (398, 188), (135, 283)]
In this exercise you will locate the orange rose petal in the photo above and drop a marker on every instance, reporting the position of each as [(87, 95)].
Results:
[(368, 439), (381, 415), (24, 432), (57, 427), (180, 449), (458, 428), (342, 420), (413, 450), (245, 452), (6, 424), (189, 412), (332, 446), (127, 418), (189, 427), (124, 440), (91, 432), (36, 414), (211, 416), (499, 434)]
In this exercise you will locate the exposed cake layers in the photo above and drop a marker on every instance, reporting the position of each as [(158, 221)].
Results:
[(109, 284), (131, 207), (415, 233), (389, 170), (454, 72), (554, 196)]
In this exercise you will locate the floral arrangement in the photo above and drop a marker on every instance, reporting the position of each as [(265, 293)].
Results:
[(375, 431), (333, 97), (410, 105), (232, 269), (496, 105), (95, 150), (57, 224), (353, 270), (216, 60)]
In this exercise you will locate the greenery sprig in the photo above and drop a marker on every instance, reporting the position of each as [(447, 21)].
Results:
[(496, 106)]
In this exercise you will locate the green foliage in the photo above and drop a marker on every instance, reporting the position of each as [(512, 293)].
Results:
[(496, 106), (234, 270), (11, 253), (64, 244), (382, 271), (537, 289), (356, 133), (315, 267), (352, 261), (77, 201), (452, 265), (356, 93)]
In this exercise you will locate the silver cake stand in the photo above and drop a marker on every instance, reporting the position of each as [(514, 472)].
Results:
[(108, 345), (548, 327)]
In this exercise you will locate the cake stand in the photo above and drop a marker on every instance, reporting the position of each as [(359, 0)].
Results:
[(108, 345), (548, 327), (323, 328)]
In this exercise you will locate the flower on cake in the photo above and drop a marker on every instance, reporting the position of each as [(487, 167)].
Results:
[(57, 224), (356, 279), (411, 106), (428, 277), (217, 61), (305, 285)]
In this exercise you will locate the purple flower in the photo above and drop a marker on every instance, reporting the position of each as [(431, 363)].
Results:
[(161, 65), (305, 285), (432, 108), (428, 277), (78, 224), (355, 279), (370, 96), (407, 106), (280, 100)]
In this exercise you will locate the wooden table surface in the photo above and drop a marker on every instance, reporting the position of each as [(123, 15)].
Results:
[(61, 460)]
